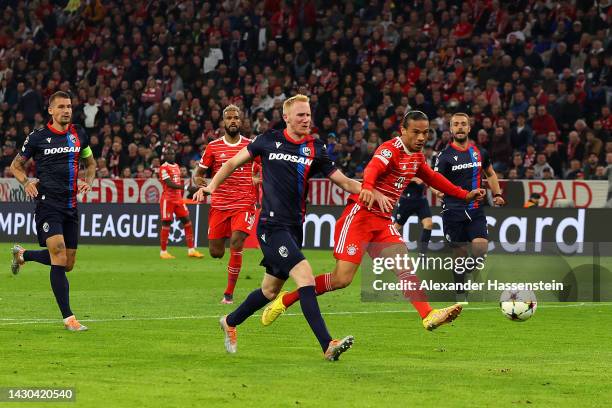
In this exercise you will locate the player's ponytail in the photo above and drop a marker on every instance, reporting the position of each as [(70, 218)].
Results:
[(413, 115)]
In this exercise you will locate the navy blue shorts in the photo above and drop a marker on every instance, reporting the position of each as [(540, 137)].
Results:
[(408, 206), (57, 221), (281, 246), (461, 226)]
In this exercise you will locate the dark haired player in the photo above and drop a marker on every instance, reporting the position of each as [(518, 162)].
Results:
[(463, 163), (232, 208), (413, 201), (394, 164), (288, 159), (57, 149)]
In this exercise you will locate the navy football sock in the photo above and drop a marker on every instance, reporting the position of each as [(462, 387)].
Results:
[(425, 237), (312, 313), (61, 289), (255, 301), (41, 256)]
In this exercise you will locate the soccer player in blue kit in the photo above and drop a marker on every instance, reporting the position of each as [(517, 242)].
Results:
[(57, 149), (288, 158), (463, 163), (413, 201)]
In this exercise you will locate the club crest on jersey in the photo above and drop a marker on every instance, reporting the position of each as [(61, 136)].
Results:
[(73, 139), (455, 157), (386, 153), (278, 144), (306, 151), (48, 140), (46, 227), (290, 158)]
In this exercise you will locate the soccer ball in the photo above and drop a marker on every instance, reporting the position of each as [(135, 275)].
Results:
[(518, 305)]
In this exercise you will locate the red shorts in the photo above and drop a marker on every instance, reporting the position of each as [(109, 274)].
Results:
[(170, 207), (221, 223), (358, 230)]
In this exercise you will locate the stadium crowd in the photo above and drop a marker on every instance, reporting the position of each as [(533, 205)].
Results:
[(534, 75)]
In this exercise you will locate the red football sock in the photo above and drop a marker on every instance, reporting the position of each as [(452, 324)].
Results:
[(165, 231), (233, 270), (322, 285), (417, 297), (189, 234)]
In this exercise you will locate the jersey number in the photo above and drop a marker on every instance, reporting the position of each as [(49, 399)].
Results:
[(399, 184)]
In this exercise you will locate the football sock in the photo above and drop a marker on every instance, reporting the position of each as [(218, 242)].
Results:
[(233, 270), (41, 256), (312, 313), (61, 289), (417, 297), (322, 285), (165, 231), (255, 301), (425, 237), (189, 234), (459, 278)]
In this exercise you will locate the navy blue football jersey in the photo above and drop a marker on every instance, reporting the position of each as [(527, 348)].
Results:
[(56, 155), (463, 168), (286, 167), (414, 190)]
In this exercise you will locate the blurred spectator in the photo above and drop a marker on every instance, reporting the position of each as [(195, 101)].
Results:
[(540, 165), (517, 165), (521, 134), (574, 169), (542, 124), (590, 167), (593, 144)]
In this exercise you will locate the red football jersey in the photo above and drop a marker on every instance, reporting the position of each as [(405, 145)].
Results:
[(172, 172), (237, 191), (392, 168)]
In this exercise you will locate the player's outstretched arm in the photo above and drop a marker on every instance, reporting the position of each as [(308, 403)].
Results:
[(19, 171), (224, 172), (438, 182), (494, 184), (345, 183)]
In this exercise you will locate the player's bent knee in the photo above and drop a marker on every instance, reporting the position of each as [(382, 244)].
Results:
[(237, 243), (480, 247), (270, 292), (427, 223)]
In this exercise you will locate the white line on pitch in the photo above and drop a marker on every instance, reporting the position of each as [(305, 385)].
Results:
[(10, 322)]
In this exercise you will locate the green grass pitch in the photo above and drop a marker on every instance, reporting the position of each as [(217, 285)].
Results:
[(154, 340)]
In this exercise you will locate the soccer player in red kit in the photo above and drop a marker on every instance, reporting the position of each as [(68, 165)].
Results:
[(232, 210), (394, 164), (171, 204)]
